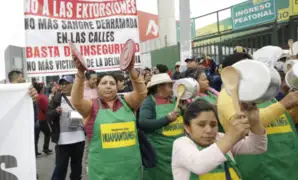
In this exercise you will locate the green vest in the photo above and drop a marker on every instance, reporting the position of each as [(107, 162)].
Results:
[(162, 141), (114, 149), (211, 98), (219, 172), (280, 162)]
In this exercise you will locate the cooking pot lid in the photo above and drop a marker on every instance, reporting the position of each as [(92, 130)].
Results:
[(268, 55), (191, 87), (255, 79), (77, 53), (127, 54)]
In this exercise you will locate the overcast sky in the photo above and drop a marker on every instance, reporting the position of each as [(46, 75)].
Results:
[(11, 18)]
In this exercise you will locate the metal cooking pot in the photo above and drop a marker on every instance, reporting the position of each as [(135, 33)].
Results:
[(191, 87), (292, 77), (259, 83)]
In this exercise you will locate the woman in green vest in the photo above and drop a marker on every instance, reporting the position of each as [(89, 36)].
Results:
[(206, 154), (161, 124), (281, 159), (110, 124), (205, 92)]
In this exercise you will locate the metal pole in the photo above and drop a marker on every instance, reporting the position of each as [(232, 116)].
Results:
[(185, 32)]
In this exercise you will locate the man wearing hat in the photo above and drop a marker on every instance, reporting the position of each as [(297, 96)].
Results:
[(192, 64), (67, 132), (280, 160), (176, 74)]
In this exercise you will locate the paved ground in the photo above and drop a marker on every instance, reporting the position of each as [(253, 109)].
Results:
[(45, 164)]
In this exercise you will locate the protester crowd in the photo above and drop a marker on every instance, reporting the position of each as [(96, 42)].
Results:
[(125, 125)]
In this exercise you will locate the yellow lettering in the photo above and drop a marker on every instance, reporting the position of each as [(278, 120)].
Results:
[(280, 126), (175, 128)]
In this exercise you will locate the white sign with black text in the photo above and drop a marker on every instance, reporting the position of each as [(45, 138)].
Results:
[(17, 156)]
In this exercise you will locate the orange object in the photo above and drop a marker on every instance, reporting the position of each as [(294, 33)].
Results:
[(148, 26)]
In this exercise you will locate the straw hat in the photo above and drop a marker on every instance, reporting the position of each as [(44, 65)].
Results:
[(159, 79)]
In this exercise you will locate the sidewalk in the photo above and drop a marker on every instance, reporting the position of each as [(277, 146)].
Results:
[(45, 164)]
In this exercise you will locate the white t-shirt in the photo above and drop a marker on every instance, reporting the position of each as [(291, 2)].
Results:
[(69, 135)]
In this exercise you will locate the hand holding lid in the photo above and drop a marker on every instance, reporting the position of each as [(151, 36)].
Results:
[(78, 58), (127, 56)]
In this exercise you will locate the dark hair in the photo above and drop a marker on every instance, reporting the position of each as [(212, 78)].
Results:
[(147, 69), (162, 68), (196, 73), (12, 75), (119, 77), (89, 73), (38, 86), (102, 75), (152, 90), (234, 58), (194, 109)]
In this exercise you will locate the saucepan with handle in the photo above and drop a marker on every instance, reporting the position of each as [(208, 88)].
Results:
[(259, 80), (191, 88), (258, 83)]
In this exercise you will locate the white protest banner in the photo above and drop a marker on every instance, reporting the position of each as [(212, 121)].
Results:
[(99, 29), (17, 153)]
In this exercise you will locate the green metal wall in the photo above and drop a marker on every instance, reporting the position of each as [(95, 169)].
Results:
[(167, 56)]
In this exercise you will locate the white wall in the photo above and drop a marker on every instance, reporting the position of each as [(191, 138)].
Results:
[(146, 60), (167, 22)]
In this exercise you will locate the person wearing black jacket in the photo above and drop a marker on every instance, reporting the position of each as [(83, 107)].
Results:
[(192, 65), (67, 133)]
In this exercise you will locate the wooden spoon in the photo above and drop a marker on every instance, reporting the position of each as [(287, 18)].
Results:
[(289, 67), (180, 92), (231, 78), (290, 43)]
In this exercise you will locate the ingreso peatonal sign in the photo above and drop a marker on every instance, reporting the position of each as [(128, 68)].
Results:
[(252, 13)]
